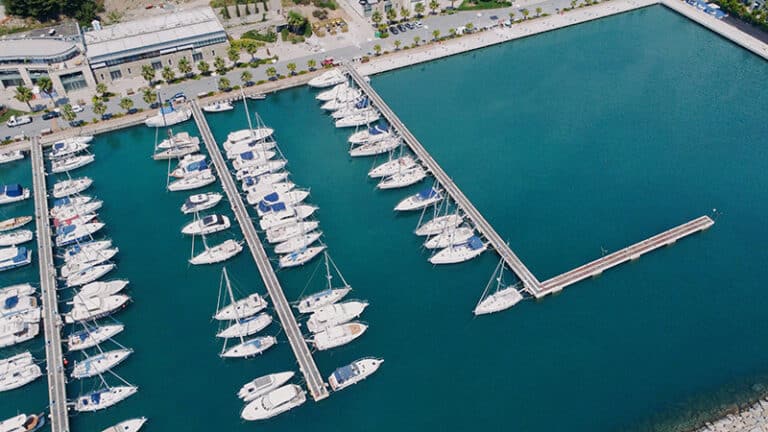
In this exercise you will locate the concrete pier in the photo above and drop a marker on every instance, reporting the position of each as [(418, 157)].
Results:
[(315, 382)]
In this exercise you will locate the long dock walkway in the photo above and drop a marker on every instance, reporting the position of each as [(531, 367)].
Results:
[(57, 385), (304, 357)]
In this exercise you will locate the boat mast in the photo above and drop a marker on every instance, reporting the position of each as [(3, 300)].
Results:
[(341, 276), (247, 113), (499, 269), (234, 307)]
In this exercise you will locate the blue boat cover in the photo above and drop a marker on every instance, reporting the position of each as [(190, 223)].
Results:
[(273, 197), (427, 193), (208, 219), (13, 190), (11, 302), (264, 207), (58, 145), (247, 155), (475, 243), (362, 104), (66, 229), (95, 398), (166, 110), (21, 256), (344, 373), (256, 342), (197, 166), (61, 202), (82, 335), (276, 207)]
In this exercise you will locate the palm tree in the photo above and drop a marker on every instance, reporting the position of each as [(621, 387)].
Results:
[(397, 45), (419, 9), (24, 94), (296, 22), (470, 27), (391, 14), (99, 108), (376, 17), (452, 32), (436, 34), (168, 74), (224, 84), (311, 63), (433, 6), (377, 49), (233, 53), (46, 86), (126, 103), (538, 11), (149, 96), (416, 40), (96, 99), (512, 16), (203, 67), (184, 66), (291, 67), (525, 13), (271, 72), (573, 3), (67, 113), (252, 48), (102, 89), (148, 73), (219, 65), (405, 12), (246, 77)]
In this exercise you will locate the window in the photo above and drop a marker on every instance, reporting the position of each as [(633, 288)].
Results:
[(36, 74), (156, 65), (115, 74), (74, 81), (11, 78), (170, 62), (196, 57)]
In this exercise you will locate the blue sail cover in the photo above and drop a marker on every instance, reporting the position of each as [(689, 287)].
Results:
[(66, 229), (13, 190), (247, 155), (61, 202), (273, 197), (11, 302), (21, 256), (82, 335), (362, 104), (276, 207), (59, 145), (427, 193), (96, 398), (264, 207), (475, 243), (197, 166)]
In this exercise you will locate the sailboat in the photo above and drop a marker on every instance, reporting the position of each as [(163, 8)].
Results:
[(370, 134), (181, 139), (327, 79), (452, 235), (300, 241), (262, 180), (207, 225), (100, 363), (338, 335), (218, 107), (263, 384), (403, 178), (68, 234), (301, 256), (459, 252), (17, 329), (420, 200), (257, 193), (71, 163), (71, 186), (285, 232), (89, 337), (79, 265), (325, 96), (14, 238), (190, 166), (282, 214), (359, 119), (83, 251), (328, 296), (168, 116), (11, 156), (220, 252), (376, 148), (247, 135), (102, 289), (252, 158), (87, 309), (132, 425), (104, 398), (503, 297), (18, 371), (14, 257), (335, 314), (392, 166), (241, 147), (256, 170), (68, 147), (193, 181), (439, 224)]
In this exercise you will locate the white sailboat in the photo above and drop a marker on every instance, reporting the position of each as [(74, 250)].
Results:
[(420, 200), (190, 165), (89, 337), (241, 147), (200, 202), (453, 235), (250, 347), (13, 193), (354, 373), (207, 225), (168, 116), (246, 326), (263, 180), (71, 163), (17, 304), (23, 423), (17, 329), (370, 134), (83, 251), (293, 244), (218, 253), (177, 151), (100, 363), (335, 314), (199, 179), (283, 215), (350, 98), (263, 384), (459, 252), (86, 261), (15, 222), (68, 234), (363, 118), (102, 289), (350, 110), (391, 167), (256, 170), (403, 178), (19, 377), (325, 96), (11, 156), (252, 158), (376, 148), (252, 134), (439, 224), (218, 107), (327, 79), (277, 201), (14, 238), (69, 187), (273, 403), (104, 398), (257, 193), (503, 296), (87, 309), (15, 362), (132, 425), (339, 335), (67, 147), (243, 308), (328, 296), (284, 232), (181, 139), (301, 256)]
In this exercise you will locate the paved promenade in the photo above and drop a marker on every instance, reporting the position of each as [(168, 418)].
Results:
[(753, 419)]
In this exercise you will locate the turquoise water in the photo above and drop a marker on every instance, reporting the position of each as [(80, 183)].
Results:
[(590, 137)]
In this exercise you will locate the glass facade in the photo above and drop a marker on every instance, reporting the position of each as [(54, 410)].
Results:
[(73, 81), (115, 74), (11, 78), (36, 74)]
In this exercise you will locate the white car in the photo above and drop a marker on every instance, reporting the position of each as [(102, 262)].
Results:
[(18, 121), (77, 108)]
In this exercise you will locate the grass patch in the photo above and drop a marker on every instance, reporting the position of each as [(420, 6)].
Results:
[(10, 112), (468, 5), (270, 36)]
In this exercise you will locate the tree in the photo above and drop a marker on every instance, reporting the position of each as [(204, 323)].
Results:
[(252, 48), (573, 3), (377, 49), (416, 40), (376, 17), (99, 108), (419, 9), (397, 45), (436, 34), (291, 67), (184, 66), (311, 63), (102, 89), (126, 103), (525, 13), (46, 86), (219, 65), (225, 12), (148, 73), (433, 6), (149, 96), (204, 67), (538, 11), (96, 99), (512, 16), (224, 84), (233, 53), (67, 113), (296, 22), (24, 94), (452, 32), (168, 74), (405, 12), (271, 72), (246, 77), (470, 27), (391, 14)]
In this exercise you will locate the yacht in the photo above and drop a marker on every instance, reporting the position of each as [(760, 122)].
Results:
[(328, 79), (200, 202), (252, 158), (201, 179), (261, 180), (86, 309), (270, 202), (242, 308), (218, 253), (249, 145), (70, 163), (460, 252), (15, 362), (17, 305), (263, 385), (102, 289), (420, 200), (296, 243), (88, 275), (14, 257), (218, 107), (67, 207), (181, 139), (315, 301), (207, 225), (450, 236), (16, 290), (403, 178), (339, 335), (190, 167), (19, 377), (67, 147), (14, 223), (168, 116), (439, 224), (343, 100), (177, 151), (375, 148), (68, 234), (359, 119), (370, 134), (325, 96), (16, 237), (104, 398), (256, 170), (246, 326), (335, 314), (257, 96), (62, 203), (81, 264), (16, 329), (250, 347), (282, 215), (100, 363), (90, 337), (132, 425), (75, 220), (70, 187), (391, 167), (11, 156), (354, 372), (256, 134), (258, 192), (360, 107), (13, 193), (23, 423), (273, 403), (284, 232), (73, 253)]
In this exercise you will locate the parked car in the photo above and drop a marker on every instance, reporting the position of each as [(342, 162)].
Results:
[(155, 105), (410, 25), (18, 121), (401, 28), (106, 116), (132, 111), (76, 123), (418, 24), (77, 108), (393, 30), (50, 115), (179, 97)]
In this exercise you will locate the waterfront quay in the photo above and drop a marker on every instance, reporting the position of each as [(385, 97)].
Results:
[(57, 385), (314, 379)]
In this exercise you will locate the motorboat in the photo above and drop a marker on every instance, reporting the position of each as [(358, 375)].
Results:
[(16, 290), (207, 225), (339, 335), (88, 275), (19, 377), (87, 309), (218, 107), (256, 134), (87, 261), (73, 253), (200, 202), (439, 224), (420, 200), (325, 96), (269, 204), (102, 289), (100, 363), (335, 314), (242, 308), (17, 361), (257, 170), (327, 79), (454, 235), (252, 158), (354, 372), (261, 180), (181, 139), (67, 147), (363, 118), (284, 232), (104, 398), (370, 134), (14, 257), (132, 425), (403, 178), (375, 148), (257, 193), (17, 305), (23, 423), (80, 139), (257, 96), (200, 179), (460, 252), (296, 243), (218, 253), (69, 187), (168, 116), (11, 156), (250, 347), (246, 326), (62, 203), (315, 301), (190, 168), (274, 403), (69, 234), (13, 223), (90, 337), (16, 329), (13, 193), (282, 215), (71, 163), (263, 384), (177, 151), (16, 237), (249, 145)]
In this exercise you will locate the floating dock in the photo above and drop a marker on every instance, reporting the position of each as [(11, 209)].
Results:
[(307, 365), (57, 384)]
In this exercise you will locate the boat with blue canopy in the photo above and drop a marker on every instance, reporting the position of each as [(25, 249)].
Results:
[(13, 193), (354, 372), (14, 257), (373, 133), (460, 252), (419, 200)]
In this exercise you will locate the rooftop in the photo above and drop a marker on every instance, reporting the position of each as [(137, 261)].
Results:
[(41, 49)]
